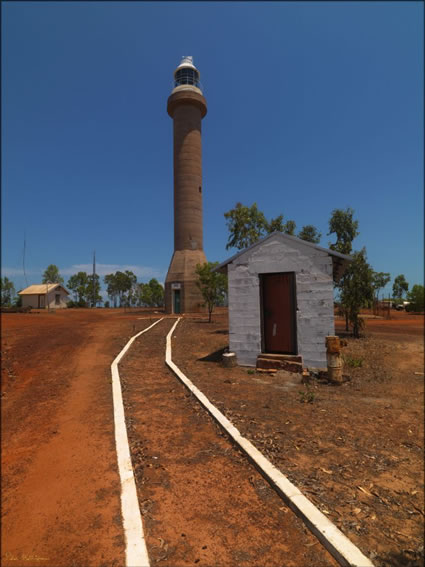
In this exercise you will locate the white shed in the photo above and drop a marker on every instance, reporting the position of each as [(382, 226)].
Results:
[(35, 296), (281, 299)]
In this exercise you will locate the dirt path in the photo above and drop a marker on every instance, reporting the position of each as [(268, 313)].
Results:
[(202, 502), (60, 485)]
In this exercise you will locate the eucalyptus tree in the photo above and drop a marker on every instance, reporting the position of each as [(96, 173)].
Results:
[(400, 286), (379, 281), (213, 285), (7, 292), (309, 233), (120, 285), (358, 289), (78, 285), (246, 225), (51, 275), (345, 228)]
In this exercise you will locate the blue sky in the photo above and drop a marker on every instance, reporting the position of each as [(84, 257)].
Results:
[(311, 106)]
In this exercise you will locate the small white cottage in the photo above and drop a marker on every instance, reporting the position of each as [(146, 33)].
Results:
[(281, 299), (35, 296)]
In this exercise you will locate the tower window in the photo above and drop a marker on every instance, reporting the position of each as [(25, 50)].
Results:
[(200, 189)]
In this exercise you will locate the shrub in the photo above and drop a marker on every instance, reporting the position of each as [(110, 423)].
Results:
[(353, 362), (306, 396), (416, 297)]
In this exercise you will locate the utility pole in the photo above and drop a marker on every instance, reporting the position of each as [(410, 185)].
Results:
[(94, 274), (47, 297), (23, 261)]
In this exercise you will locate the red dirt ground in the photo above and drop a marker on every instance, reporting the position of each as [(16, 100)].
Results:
[(400, 323), (60, 484), (355, 450)]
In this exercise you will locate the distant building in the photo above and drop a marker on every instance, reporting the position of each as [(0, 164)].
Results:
[(35, 296), (281, 299)]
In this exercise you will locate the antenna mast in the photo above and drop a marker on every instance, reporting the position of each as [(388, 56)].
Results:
[(94, 274), (23, 261)]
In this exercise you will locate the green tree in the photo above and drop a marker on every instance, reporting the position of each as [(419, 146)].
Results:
[(400, 287), (379, 281), (288, 228), (120, 286), (81, 284), (274, 225), (52, 275), (213, 285), (128, 284), (7, 292), (144, 293), (247, 225), (416, 298), (93, 296), (151, 294), (344, 227), (157, 293), (357, 290), (277, 225), (310, 234), (132, 295), (111, 288), (78, 285)]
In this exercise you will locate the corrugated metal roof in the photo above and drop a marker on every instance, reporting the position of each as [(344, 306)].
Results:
[(40, 289)]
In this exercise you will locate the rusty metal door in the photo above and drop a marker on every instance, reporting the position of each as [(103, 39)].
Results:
[(278, 308)]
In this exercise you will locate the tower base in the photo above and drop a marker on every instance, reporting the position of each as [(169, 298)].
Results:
[(182, 295)]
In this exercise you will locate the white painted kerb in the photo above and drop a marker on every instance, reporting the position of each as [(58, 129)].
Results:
[(136, 554), (344, 551)]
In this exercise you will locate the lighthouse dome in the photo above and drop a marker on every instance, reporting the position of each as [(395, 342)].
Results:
[(186, 76)]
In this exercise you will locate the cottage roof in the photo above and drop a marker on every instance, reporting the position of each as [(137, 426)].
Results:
[(339, 261), (40, 289)]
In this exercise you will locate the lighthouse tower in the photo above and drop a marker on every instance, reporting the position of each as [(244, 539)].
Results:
[(187, 107)]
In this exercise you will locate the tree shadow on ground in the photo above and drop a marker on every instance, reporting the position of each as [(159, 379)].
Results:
[(404, 558), (349, 335), (214, 356), (343, 334)]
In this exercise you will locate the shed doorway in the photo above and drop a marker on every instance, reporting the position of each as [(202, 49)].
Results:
[(278, 300), (41, 302)]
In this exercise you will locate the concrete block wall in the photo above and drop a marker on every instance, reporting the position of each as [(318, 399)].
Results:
[(314, 292)]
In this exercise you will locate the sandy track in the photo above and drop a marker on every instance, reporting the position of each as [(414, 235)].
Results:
[(60, 484)]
